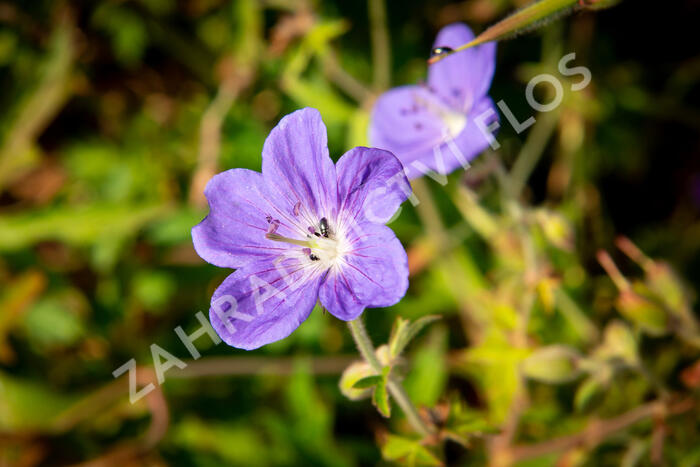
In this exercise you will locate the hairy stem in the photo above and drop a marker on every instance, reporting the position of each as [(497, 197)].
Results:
[(366, 348)]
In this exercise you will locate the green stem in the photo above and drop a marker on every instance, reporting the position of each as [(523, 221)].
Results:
[(532, 151), (381, 51), (366, 348), (428, 211)]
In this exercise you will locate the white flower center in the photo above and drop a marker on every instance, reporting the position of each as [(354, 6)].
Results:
[(323, 246), (329, 250), (454, 122)]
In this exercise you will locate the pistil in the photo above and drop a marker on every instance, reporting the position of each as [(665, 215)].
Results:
[(279, 238)]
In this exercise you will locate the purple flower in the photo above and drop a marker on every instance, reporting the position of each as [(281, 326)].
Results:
[(303, 229), (440, 125)]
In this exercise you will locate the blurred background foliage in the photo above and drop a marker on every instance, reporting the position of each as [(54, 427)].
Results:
[(564, 265)]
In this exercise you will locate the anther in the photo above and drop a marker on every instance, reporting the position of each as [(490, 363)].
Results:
[(272, 228), (323, 224)]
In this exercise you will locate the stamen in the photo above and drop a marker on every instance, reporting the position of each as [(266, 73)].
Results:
[(272, 228), (297, 206), (322, 246)]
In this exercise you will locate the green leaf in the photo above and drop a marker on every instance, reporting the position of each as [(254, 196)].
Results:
[(426, 381), (380, 399), (75, 225), (126, 29), (552, 364), (235, 444), (464, 422), (494, 364), (20, 127), (404, 331), (409, 451), (368, 382), (29, 405), (308, 424), (54, 320), (314, 91), (353, 373), (357, 128), (474, 426), (153, 288), (644, 312), (588, 394), (618, 344)]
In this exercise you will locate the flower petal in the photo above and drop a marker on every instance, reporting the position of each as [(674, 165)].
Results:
[(375, 274), (371, 185), (297, 167), (233, 233), (457, 152), (403, 123), (263, 302), (443, 153), (464, 77)]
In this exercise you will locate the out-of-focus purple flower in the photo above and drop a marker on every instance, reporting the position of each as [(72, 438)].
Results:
[(436, 125), (303, 229)]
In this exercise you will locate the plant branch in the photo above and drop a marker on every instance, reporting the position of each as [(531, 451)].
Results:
[(366, 348), (598, 430), (236, 78), (344, 80)]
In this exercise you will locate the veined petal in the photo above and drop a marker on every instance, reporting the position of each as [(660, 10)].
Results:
[(264, 302), (233, 233), (456, 152), (462, 78), (402, 122), (373, 274), (297, 166), (371, 185)]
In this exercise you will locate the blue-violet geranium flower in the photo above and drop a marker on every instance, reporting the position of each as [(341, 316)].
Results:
[(434, 126), (302, 230)]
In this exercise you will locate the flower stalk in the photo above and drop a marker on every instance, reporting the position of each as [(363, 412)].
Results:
[(530, 17), (366, 348)]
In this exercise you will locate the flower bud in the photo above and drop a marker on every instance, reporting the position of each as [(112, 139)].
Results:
[(553, 364), (352, 374), (556, 229), (642, 312), (618, 343)]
